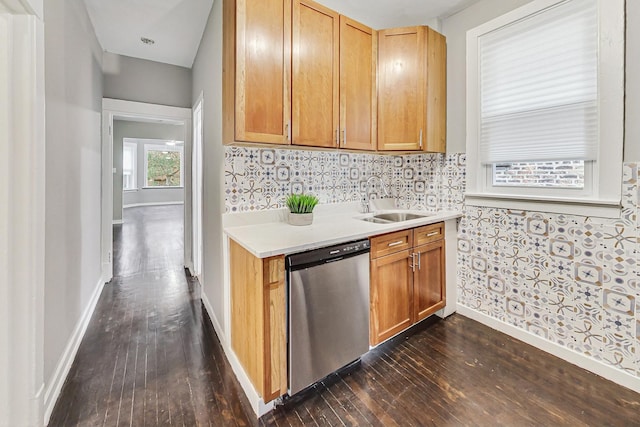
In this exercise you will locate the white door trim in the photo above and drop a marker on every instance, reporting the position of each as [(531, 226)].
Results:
[(138, 110), (22, 213), (197, 184)]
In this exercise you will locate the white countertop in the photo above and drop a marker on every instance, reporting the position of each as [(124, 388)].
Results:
[(269, 235)]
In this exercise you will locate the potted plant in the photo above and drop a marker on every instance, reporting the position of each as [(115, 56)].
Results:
[(301, 208)]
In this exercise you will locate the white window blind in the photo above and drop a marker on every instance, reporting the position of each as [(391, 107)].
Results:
[(539, 87)]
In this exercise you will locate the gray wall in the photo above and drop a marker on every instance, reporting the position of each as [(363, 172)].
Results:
[(127, 129), (455, 28), (140, 80), (207, 78), (632, 100), (73, 84)]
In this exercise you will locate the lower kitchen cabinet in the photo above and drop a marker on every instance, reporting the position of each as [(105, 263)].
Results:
[(258, 319), (390, 293), (407, 285), (429, 280)]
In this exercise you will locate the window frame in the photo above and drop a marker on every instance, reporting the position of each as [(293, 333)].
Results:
[(158, 146), (126, 143), (602, 193)]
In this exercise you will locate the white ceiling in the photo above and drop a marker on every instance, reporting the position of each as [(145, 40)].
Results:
[(176, 26)]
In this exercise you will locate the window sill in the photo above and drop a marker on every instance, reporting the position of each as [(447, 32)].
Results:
[(581, 207), (130, 190), (158, 187)]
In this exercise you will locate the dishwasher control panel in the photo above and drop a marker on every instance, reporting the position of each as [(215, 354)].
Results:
[(353, 247), (327, 254)]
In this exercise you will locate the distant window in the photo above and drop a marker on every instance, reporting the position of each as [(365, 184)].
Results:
[(129, 163), (163, 165)]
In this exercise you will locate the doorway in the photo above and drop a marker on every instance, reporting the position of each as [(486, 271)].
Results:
[(178, 146)]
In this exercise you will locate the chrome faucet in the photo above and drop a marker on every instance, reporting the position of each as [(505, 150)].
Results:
[(384, 187)]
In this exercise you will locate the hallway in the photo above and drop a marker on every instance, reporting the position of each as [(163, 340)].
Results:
[(150, 355)]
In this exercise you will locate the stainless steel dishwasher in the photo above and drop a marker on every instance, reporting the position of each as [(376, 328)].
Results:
[(328, 311)]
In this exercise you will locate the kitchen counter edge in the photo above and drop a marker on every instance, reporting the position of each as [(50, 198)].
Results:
[(258, 238)]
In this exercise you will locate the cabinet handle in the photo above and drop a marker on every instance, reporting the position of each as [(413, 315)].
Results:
[(399, 242), (413, 263), (420, 138), (344, 137), (433, 233), (418, 260), (337, 137), (288, 128)]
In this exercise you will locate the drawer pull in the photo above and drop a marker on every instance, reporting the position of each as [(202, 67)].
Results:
[(399, 242), (433, 233)]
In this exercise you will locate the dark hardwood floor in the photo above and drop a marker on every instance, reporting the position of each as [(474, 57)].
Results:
[(150, 357)]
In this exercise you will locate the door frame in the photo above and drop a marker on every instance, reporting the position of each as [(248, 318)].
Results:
[(115, 108), (197, 180), (22, 212)]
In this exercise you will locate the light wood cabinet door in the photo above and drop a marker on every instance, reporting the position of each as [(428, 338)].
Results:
[(315, 75), (258, 319), (428, 279), (358, 63), (412, 90), (436, 126), (401, 88), (262, 70), (391, 296)]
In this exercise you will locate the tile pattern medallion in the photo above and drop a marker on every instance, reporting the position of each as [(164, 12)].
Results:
[(572, 280)]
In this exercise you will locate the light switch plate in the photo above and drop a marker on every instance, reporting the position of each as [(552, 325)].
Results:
[(114, 170)]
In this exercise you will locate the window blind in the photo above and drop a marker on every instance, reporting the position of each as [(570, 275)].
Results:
[(538, 87)]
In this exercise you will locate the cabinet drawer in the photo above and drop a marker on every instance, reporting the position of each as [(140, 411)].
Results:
[(428, 233), (390, 243)]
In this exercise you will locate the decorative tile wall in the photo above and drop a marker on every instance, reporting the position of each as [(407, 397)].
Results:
[(261, 178), (573, 280)]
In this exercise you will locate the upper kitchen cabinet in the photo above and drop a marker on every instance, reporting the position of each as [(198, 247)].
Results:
[(315, 79), (256, 72), (358, 63), (411, 90)]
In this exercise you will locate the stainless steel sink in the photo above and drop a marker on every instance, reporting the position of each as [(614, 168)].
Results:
[(389, 217), (398, 216)]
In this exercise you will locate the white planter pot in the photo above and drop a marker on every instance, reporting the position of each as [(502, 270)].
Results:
[(300, 219)]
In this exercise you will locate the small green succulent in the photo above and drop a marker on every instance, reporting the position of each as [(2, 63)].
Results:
[(301, 203)]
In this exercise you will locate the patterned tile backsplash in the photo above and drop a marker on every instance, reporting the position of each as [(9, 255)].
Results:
[(261, 178), (573, 280)]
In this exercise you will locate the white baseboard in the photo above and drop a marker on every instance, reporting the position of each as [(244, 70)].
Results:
[(137, 205), (214, 320), (54, 386), (599, 368), (118, 221), (257, 404)]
